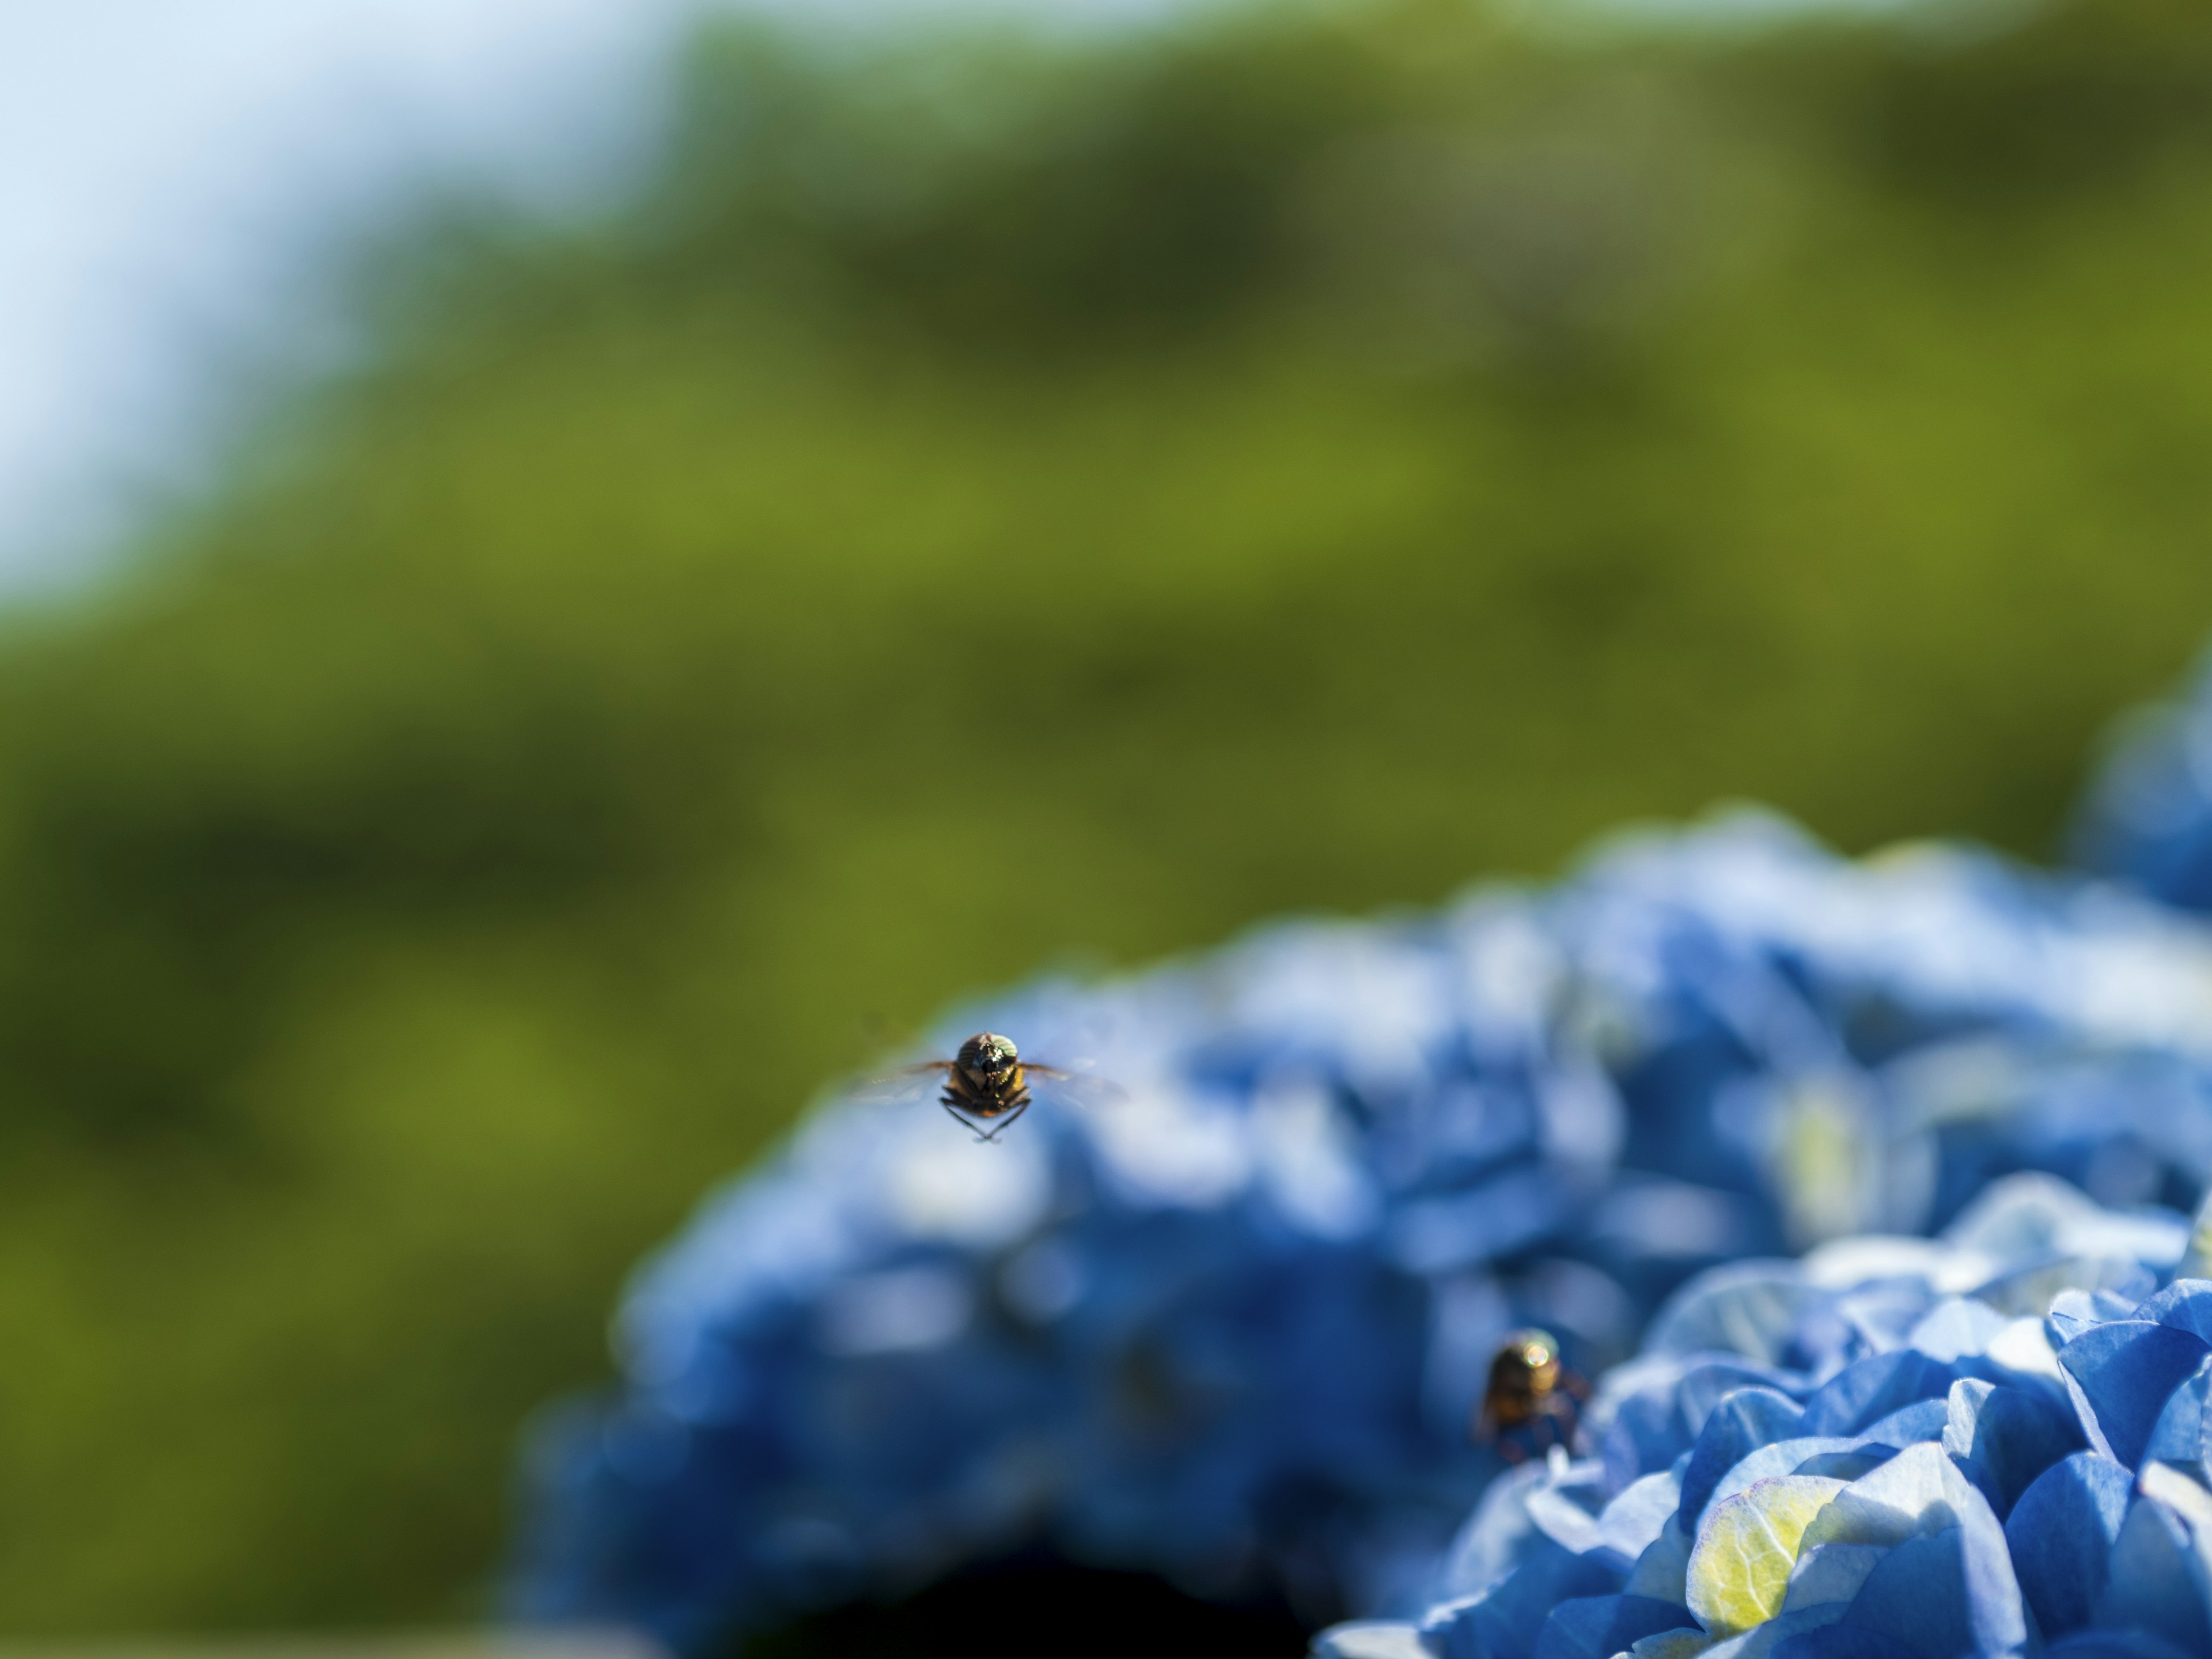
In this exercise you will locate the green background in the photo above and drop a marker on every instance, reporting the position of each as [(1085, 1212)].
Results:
[(980, 506)]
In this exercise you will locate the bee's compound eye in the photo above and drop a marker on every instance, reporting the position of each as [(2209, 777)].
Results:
[(986, 1052), (1531, 1352)]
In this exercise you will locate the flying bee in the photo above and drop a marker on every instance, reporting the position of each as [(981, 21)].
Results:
[(1533, 1402), (987, 1081)]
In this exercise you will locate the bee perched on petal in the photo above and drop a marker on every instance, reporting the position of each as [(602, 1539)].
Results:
[(1533, 1402), (987, 1081)]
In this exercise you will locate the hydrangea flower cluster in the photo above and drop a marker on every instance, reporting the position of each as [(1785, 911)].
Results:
[(2148, 819), (1234, 1328), (1888, 1451)]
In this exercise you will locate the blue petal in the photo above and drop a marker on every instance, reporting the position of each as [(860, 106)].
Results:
[(1599, 1627), (1497, 1535), (1764, 1640), (1663, 1568), (1875, 1387), (2114, 1644), (1370, 1638), (1886, 1311), (1923, 1419), (2071, 1288), (1959, 1575), (2154, 1584), (2061, 1534), (1856, 1458), (1504, 1621), (2004, 1437), (2179, 1437), (1565, 1507), (1750, 1308), (1632, 1521), (2185, 1304), (2121, 1375), (1786, 1458), (1841, 1641), (1917, 1596), (1746, 1420), (1657, 1426), (1959, 1327)]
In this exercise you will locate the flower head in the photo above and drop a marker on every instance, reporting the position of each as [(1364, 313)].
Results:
[(1235, 1328), (1880, 1451)]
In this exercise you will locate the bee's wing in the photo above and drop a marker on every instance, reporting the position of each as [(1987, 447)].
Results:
[(1086, 1089), (899, 1088)]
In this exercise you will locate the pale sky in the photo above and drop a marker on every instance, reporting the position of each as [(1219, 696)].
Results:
[(170, 168)]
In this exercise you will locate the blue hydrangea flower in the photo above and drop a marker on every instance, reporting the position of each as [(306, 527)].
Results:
[(2148, 820), (1883, 1450), (1234, 1330)]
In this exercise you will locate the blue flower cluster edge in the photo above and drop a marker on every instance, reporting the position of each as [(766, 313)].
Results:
[(1234, 1330), (1858, 1456)]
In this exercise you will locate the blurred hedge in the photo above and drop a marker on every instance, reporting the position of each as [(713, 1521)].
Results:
[(983, 506)]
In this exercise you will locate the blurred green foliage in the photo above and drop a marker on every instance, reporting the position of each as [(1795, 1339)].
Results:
[(985, 506)]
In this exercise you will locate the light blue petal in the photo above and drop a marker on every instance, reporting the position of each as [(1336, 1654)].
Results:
[(1740, 1424), (1599, 1627), (2180, 1434), (1504, 1621), (1886, 1312), (1923, 1419), (1633, 1521), (1748, 1308), (1861, 1458), (1769, 1638), (2061, 1534), (1956, 1328), (2121, 1376), (1830, 1572), (1656, 1425), (1913, 1492), (1497, 1536), (2150, 1234), (1662, 1571), (2185, 1304), (2020, 1220), (2032, 1291), (1921, 1492), (2114, 1644), (1784, 1457), (1917, 1596), (1872, 1388), (1841, 1641), (1565, 1509), (2004, 1437), (1370, 1638), (2156, 1582)]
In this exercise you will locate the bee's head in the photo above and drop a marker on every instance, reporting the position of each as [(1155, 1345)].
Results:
[(1527, 1362), (986, 1056)]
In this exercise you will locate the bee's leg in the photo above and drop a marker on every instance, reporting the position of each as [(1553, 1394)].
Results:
[(953, 1112), (1561, 1412), (1006, 1122)]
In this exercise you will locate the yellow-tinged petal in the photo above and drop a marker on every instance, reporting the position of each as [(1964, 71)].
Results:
[(1739, 1570)]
